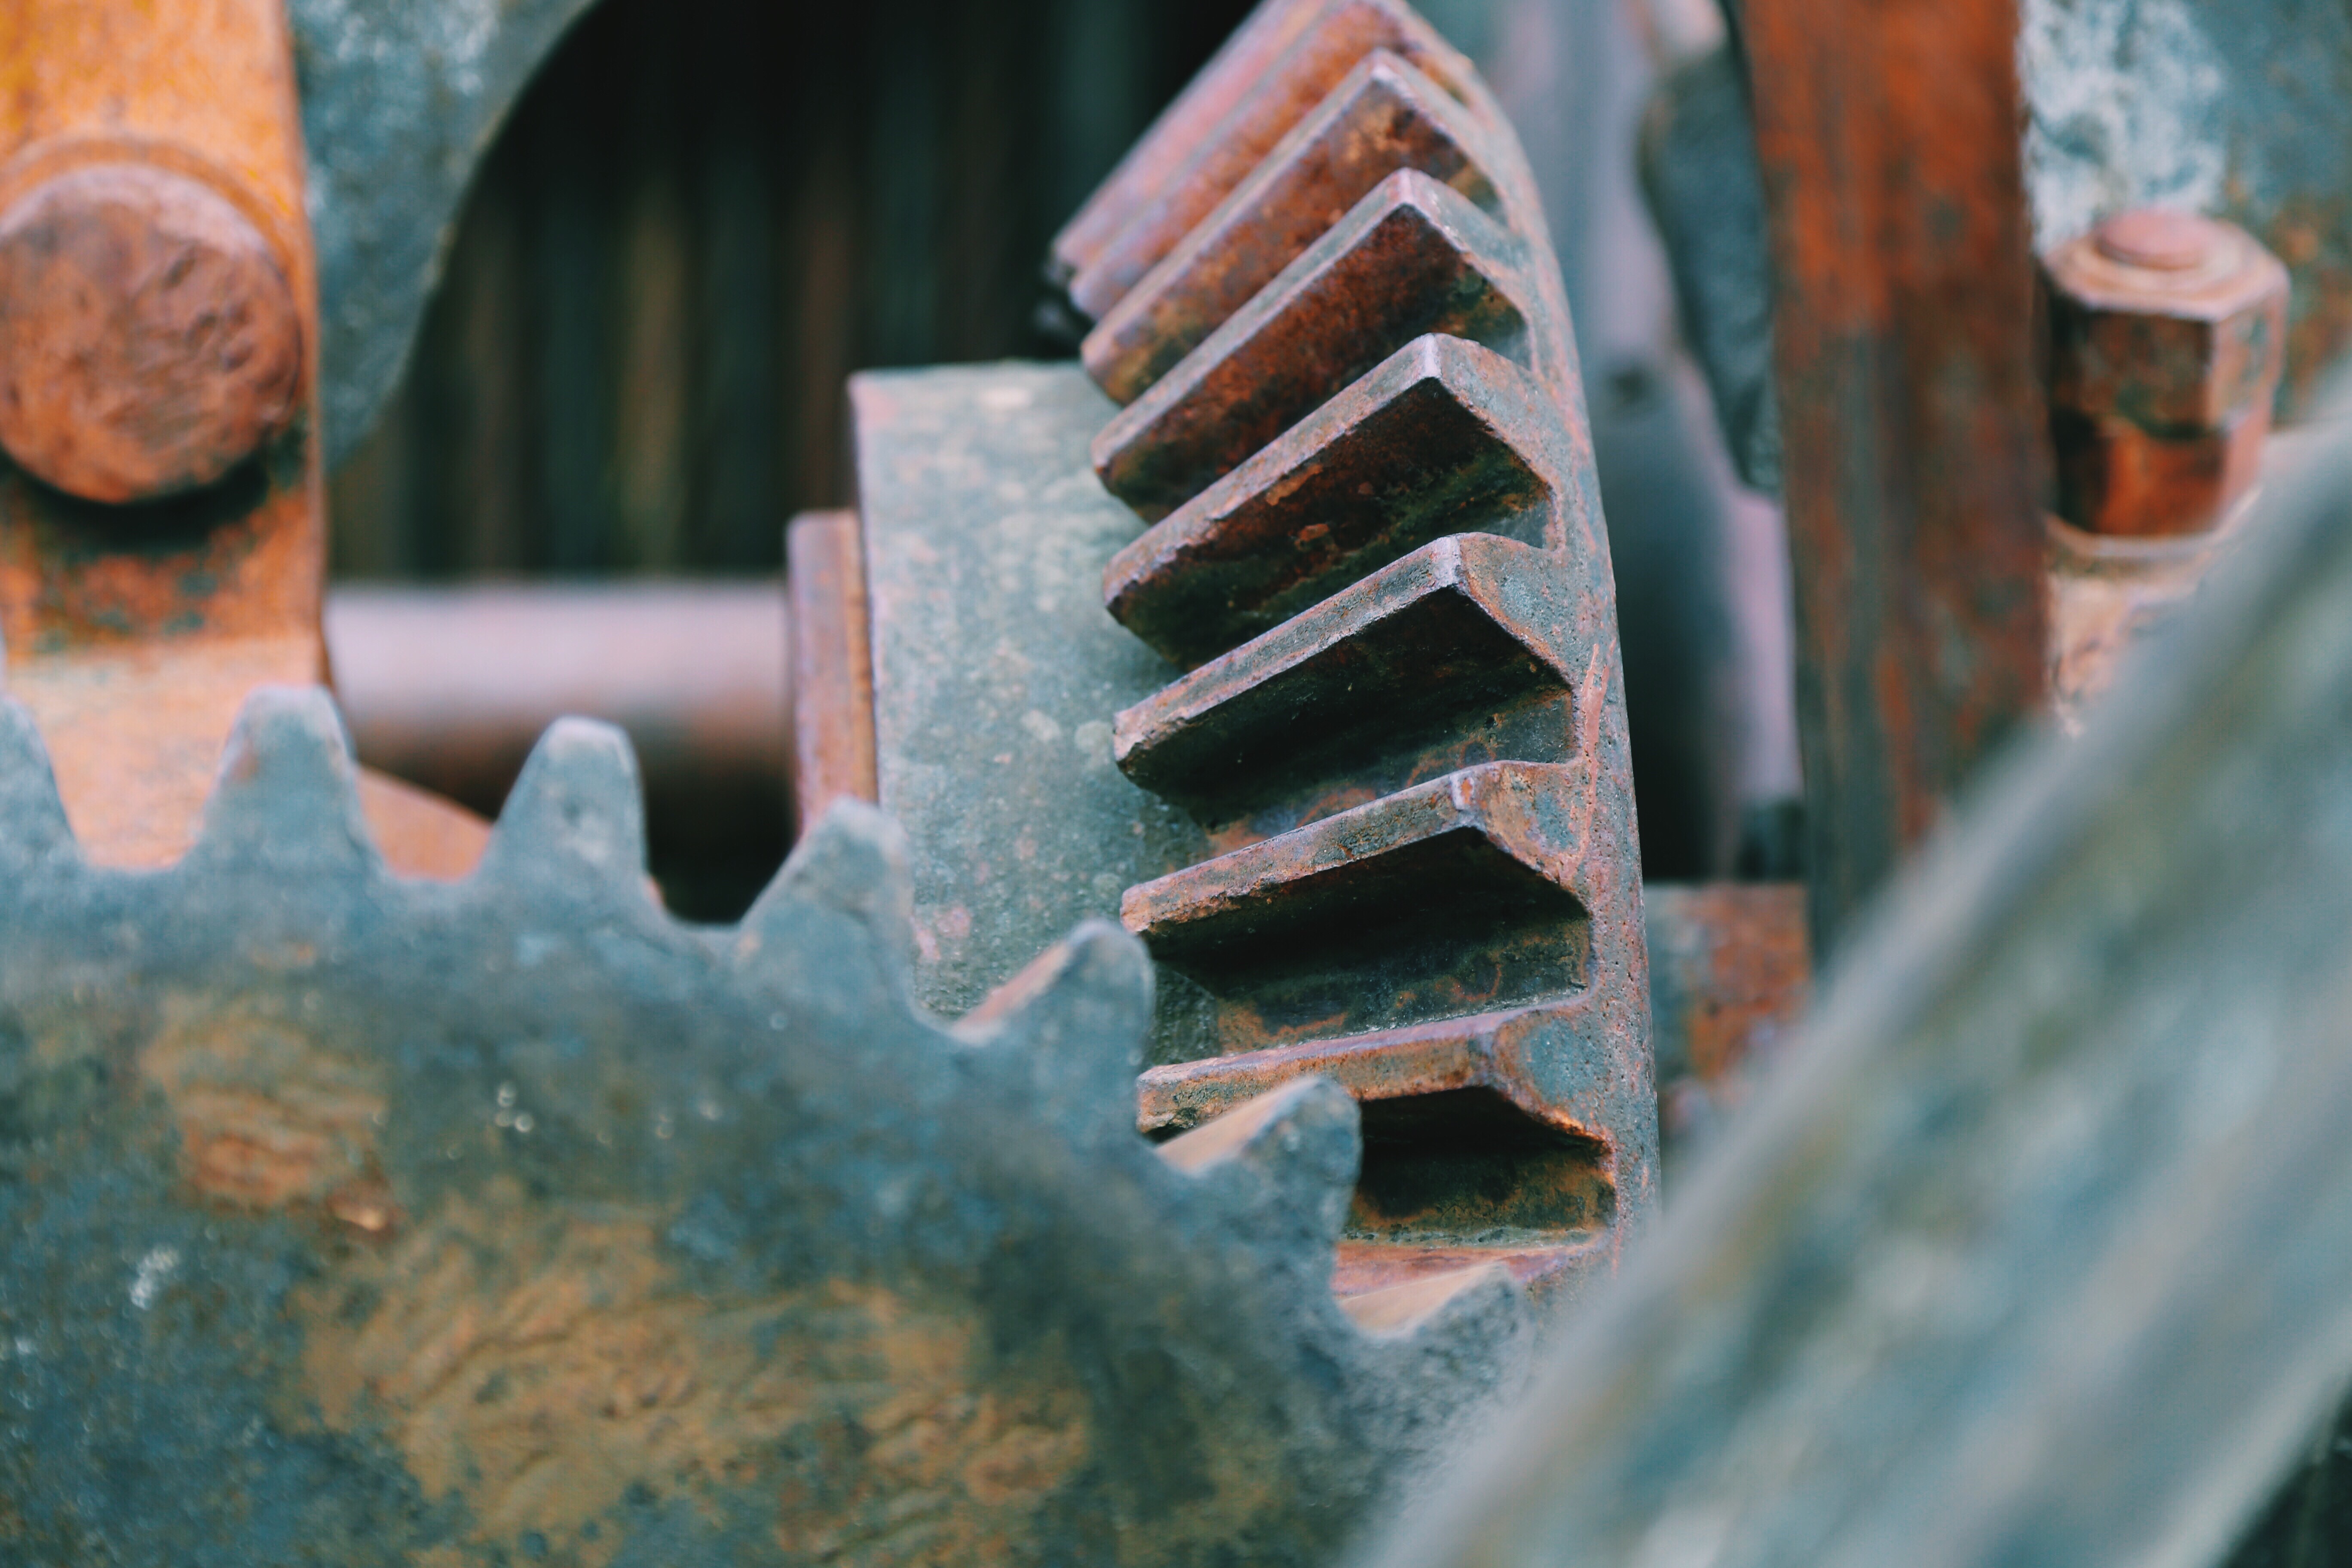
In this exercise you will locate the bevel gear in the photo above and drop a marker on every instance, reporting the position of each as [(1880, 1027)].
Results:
[(356, 1219)]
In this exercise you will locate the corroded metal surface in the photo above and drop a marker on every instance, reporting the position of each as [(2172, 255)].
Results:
[(149, 340), (401, 98), (1412, 259), (1915, 448), (832, 664), (2168, 332), (1385, 117), (996, 675), (2234, 109), (1147, 220), (140, 146), (2034, 1249), (1374, 475), (361, 1220)]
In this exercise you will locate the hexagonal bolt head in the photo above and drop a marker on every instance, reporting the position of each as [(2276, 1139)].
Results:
[(2166, 336)]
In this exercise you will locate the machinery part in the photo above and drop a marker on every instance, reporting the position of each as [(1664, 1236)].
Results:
[(1916, 535), (2234, 110), (1406, 750), (361, 1219), (149, 340), (1397, 843), (401, 98), (1190, 162), (2034, 1251), (2166, 334), (451, 687), (833, 664), (2109, 591), (1440, 429), (152, 236), (2214, 106), (1706, 195), (1384, 119), (1730, 976), (448, 688)]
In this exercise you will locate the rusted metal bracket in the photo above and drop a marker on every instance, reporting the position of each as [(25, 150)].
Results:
[(161, 528)]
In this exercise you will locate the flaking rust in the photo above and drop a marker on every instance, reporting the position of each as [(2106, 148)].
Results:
[(1353, 413)]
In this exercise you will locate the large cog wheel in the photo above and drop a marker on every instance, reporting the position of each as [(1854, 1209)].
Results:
[(353, 1220)]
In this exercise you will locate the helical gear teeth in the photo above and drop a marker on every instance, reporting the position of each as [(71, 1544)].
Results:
[(34, 831), (1286, 1161), (285, 800), (1076, 1018), (576, 815), (838, 918)]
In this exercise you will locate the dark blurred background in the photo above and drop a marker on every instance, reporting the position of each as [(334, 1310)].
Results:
[(705, 214)]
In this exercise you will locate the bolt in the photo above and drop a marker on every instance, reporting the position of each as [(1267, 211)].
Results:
[(2167, 333), (149, 340)]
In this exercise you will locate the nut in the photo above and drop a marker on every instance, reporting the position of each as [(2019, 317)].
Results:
[(2166, 334), (149, 340)]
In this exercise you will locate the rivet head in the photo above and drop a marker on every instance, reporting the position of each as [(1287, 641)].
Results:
[(149, 340), (2159, 241)]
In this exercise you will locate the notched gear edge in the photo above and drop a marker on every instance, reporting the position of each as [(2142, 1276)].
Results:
[(353, 1215)]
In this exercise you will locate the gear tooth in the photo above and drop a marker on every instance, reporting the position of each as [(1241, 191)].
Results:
[(33, 826), (576, 813), (1466, 1313), (287, 795), (1076, 1018), (852, 862), (1301, 1140)]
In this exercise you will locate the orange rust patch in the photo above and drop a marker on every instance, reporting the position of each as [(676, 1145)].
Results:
[(542, 1364), (268, 1114)]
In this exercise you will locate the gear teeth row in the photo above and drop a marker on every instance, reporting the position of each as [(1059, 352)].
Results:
[(285, 800), (1342, 345), (556, 1067)]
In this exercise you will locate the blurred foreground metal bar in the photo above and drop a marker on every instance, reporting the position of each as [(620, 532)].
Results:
[(451, 687), (2036, 1250), (1910, 410)]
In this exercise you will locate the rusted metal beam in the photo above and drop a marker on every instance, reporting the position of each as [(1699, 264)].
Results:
[(1915, 455)]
